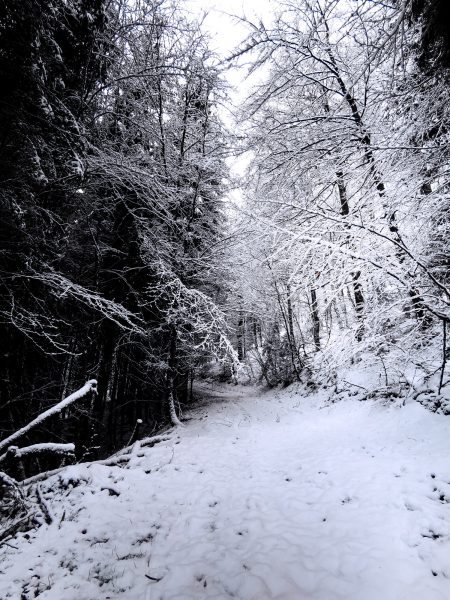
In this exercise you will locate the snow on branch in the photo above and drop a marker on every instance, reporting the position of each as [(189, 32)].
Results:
[(117, 459), (108, 308), (88, 387), (15, 452), (8, 482), (197, 318)]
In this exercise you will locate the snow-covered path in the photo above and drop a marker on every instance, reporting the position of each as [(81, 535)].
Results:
[(255, 498)]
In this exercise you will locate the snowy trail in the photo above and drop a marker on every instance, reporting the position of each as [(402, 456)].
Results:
[(269, 497)]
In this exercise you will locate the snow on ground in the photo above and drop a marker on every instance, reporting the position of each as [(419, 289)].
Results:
[(269, 496)]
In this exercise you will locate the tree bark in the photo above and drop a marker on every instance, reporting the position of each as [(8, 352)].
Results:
[(357, 287), (359, 304), (171, 371), (240, 337), (315, 318)]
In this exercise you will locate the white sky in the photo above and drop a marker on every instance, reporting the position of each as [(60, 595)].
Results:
[(226, 31), (222, 24), (226, 34)]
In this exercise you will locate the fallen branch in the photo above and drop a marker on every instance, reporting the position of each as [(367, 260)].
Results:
[(15, 452), (123, 456), (355, 385), (88, 387), (15, 508), (44, 506), (23, 524), (40, 476), (8, 482)]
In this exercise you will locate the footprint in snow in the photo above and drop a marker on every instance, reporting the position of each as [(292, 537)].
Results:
[(156, 575), (145, 539), (201, 579), (242, 532), (432, 535)]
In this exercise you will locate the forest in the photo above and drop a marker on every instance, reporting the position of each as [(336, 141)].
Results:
[(138, 259), (112, 217), (123, 262)]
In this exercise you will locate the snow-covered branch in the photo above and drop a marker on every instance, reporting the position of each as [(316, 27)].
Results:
[(63, 287), (88, 388), (33, 450)]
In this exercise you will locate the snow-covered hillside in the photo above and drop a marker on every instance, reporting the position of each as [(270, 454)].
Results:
[(257, 497)]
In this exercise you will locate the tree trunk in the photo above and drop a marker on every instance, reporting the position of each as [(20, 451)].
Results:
[(357, 287), (171, 385), (290, 317), (315, 318), (389, 215), (359, 304), (240, 337)]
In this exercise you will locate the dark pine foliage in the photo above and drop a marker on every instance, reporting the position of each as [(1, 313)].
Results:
[(109, 200), (435, 37)]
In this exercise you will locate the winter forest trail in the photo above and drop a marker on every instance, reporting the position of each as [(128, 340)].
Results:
[(258, 497)]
